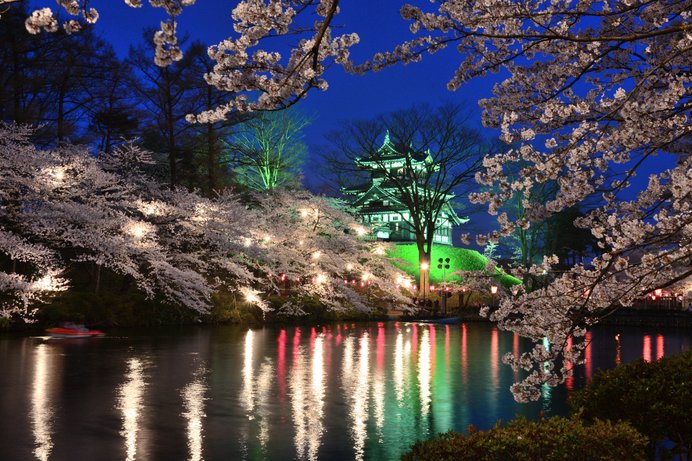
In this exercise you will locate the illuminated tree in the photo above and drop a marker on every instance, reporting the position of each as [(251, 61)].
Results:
[(172, 244), (267, 152)]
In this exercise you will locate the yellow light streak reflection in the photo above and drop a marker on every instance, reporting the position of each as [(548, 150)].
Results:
[(264, 382), (193, 404), (130, 404), (307, 400), (41, 409)]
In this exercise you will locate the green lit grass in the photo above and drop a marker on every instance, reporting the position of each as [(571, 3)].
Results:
[(405, 257)]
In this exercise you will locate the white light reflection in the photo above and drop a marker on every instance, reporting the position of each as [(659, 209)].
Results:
[(254, 395), (378, 392), (246, 400), (424, 372), (246, 392), (399, 367), (41, 410), (359, 410), (307, 400), (264, 382), (193, 404), (130, 403)]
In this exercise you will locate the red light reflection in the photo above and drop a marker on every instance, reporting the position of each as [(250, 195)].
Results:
[(646, 348)]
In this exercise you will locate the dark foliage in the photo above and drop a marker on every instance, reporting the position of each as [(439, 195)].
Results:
[(547, 440), (655, 398)]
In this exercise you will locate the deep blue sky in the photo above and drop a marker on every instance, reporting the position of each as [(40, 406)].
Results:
[(349, 97)]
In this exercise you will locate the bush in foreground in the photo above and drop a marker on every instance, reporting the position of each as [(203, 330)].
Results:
[(547, 440), (655, 398)]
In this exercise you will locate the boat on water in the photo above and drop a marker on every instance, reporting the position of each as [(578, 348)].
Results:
[(72, 330)]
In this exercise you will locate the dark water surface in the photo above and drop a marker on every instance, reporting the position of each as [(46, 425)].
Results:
[(342, 391)]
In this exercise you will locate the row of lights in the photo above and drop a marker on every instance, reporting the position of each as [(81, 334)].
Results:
[(659, 293)]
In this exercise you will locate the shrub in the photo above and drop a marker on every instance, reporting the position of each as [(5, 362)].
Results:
[(655, 398), (547, 440)]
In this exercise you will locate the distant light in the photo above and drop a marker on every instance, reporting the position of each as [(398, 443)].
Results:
[(349, 267), (658, 292), (493, 289), (425, 266)]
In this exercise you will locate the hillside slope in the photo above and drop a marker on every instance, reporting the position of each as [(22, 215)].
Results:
[(405, 257)]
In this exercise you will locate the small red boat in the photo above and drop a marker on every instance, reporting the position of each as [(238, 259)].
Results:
[(71, 330)]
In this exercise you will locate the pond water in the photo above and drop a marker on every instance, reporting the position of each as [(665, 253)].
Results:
[(340, 391)]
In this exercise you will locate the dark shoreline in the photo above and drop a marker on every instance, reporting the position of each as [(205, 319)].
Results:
[(637, 318)]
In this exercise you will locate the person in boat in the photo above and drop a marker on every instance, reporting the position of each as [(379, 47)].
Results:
[(74, 326)]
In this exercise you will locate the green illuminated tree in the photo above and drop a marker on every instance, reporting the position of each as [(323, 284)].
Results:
[(267, 152)]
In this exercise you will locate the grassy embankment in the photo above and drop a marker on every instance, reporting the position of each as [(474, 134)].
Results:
[(405, 257)]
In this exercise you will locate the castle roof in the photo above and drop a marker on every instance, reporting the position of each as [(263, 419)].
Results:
[(389, 153)]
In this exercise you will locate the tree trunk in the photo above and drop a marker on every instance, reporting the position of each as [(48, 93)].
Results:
[(98, 278), (171, 146), (212, 154), (424, 274)]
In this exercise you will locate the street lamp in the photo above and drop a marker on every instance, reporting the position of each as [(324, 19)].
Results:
[(493, 291), (444, 265), (462, 300), (424, 278)]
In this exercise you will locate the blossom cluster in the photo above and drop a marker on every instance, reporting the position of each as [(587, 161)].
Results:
[(172, 244)]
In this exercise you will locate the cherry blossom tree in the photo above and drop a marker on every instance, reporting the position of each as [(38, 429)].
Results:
[(310, 243), (267, 151), (69, 208), (65, 208), (594, 93)]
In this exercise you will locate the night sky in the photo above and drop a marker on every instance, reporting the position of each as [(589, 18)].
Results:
[(349, 97)]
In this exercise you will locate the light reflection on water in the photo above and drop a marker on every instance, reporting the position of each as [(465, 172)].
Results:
[(193, 396), (424, 373), (130, 404), (307, 398), (41, 409), (343, 391)]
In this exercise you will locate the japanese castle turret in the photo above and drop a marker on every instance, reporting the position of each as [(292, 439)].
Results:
[(378, 202)]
